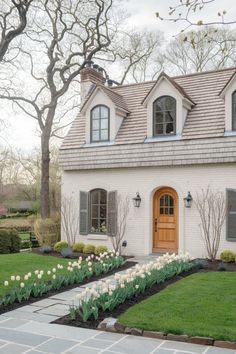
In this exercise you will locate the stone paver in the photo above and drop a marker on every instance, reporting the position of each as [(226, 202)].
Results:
[(28, 330), (13, 349)]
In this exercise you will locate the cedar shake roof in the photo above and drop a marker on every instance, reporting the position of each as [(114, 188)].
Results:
[(117, 99), (206, 119)]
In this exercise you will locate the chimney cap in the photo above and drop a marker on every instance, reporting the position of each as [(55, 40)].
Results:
[(95, 66), (89, 63)]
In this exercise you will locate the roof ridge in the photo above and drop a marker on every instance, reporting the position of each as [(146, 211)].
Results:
[(175, 77)]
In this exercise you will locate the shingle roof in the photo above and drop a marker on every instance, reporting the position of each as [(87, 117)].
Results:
[(206, 119), (117, 99)]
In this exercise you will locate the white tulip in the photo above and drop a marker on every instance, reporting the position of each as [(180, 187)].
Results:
[(13, 278), (22, 285), (18, 278), (6, 283)]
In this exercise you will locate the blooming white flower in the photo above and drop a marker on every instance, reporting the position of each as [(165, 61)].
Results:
[(36, 272), (26, 277), (6, 283), (18, 278), (54, 276), (90, 269), (49, 272), (136, 286), (22, 285), (29, 274), (41, 272), (39, 276), (54, 270), (13, 278), (59, 266), (90, 264)]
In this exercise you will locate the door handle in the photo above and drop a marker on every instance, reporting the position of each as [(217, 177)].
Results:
[(155, 225)]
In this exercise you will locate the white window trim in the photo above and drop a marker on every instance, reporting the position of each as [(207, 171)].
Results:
[(98, 237), (106, 143), (230, 133), (163, 138)]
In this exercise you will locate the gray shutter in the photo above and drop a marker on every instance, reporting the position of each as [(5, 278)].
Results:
[(231, 215), (84, 212), (112, 213)]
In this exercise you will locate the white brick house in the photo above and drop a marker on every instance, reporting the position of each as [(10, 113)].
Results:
[(163, 139)]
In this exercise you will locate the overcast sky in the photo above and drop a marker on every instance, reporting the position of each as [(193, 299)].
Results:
[(22, 131)]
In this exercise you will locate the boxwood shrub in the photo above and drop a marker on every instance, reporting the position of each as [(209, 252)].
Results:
[(10, 241)]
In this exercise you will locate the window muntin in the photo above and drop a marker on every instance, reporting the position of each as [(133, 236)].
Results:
[(100, 123), (166, 205), (234, 111), (164, 116), (98, 211)]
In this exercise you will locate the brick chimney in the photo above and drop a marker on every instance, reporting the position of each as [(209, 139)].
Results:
[(91, 74)]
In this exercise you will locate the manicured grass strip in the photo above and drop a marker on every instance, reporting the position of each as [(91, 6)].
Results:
[(203, 304), (22, 263)]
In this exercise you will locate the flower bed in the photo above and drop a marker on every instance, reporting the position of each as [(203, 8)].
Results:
[(37, 283), (108, 295)]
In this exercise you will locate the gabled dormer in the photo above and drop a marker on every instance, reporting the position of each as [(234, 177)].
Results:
[(102, 108), (167, 107), (228, 94)]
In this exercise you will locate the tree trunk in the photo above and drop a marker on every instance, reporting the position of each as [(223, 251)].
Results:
[(44, 195)]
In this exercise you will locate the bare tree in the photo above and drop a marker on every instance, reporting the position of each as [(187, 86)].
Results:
[(13, 21), (63, 35), (122, 208), (211, 206), (70, 218), (199, 53), (186, 12)]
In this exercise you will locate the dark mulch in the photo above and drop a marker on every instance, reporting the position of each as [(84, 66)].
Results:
[(75, 255), (4, 309), (92, 324)]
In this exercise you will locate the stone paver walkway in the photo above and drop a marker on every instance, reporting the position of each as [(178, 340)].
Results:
[(28, 330)]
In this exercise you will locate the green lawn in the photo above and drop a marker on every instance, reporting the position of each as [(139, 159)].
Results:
[(203, 304), (22, 263)]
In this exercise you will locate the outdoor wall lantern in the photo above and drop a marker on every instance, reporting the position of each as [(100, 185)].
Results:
[(137, 200), (188, 200)]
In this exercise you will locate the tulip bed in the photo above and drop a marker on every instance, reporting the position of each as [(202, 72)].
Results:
[(36, 283), (106, 296)]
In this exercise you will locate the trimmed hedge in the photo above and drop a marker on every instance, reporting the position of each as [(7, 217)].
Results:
[(10, 242)]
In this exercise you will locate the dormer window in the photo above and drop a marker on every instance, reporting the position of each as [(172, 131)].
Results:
[(100, 116), (164, 116), (234, 111)]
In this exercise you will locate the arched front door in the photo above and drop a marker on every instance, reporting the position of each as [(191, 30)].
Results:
[(165, 220)]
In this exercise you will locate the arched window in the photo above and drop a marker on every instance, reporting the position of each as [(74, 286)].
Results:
[(98, 211), (100, 123), (164, 116), (234, 110)]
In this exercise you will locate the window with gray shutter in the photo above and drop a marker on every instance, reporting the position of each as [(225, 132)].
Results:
[(84, 209), (112, 214), (231, 215)]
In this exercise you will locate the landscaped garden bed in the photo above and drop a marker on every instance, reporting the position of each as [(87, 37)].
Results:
[(35, 279), (183, 307)]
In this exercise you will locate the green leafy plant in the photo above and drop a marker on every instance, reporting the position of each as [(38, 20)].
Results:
[(89, 249), (10, 242), (78, 247), (100, 249), (227, 256), (60, 245)]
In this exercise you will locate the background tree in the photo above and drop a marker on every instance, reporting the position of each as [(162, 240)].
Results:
[(206, 49), (13, 21), (62, 36)]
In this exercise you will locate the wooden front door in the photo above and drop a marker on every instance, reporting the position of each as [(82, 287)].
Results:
[(165, 220)]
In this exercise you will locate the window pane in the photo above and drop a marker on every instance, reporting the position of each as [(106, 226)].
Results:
[(103, 211), (159, 129), (94, 197), (104, 124), (104, 112), (103, 197), (94, 225), (104, 134), (169, 128), (95, 113), (159, 117), (171, 211), (94, 211), (95, 135), (95, 124)]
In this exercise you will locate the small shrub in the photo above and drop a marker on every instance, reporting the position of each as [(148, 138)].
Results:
[(66, 252), (47, 231), (60, 245), (89, 249), (200, 263), (46, 249), (100, 249), (227, 256), (78, 247), (10, 241)]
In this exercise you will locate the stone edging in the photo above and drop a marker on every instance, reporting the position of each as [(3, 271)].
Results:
[(111, 325)]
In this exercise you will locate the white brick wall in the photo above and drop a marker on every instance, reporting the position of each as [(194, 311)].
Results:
[(146, 181)]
